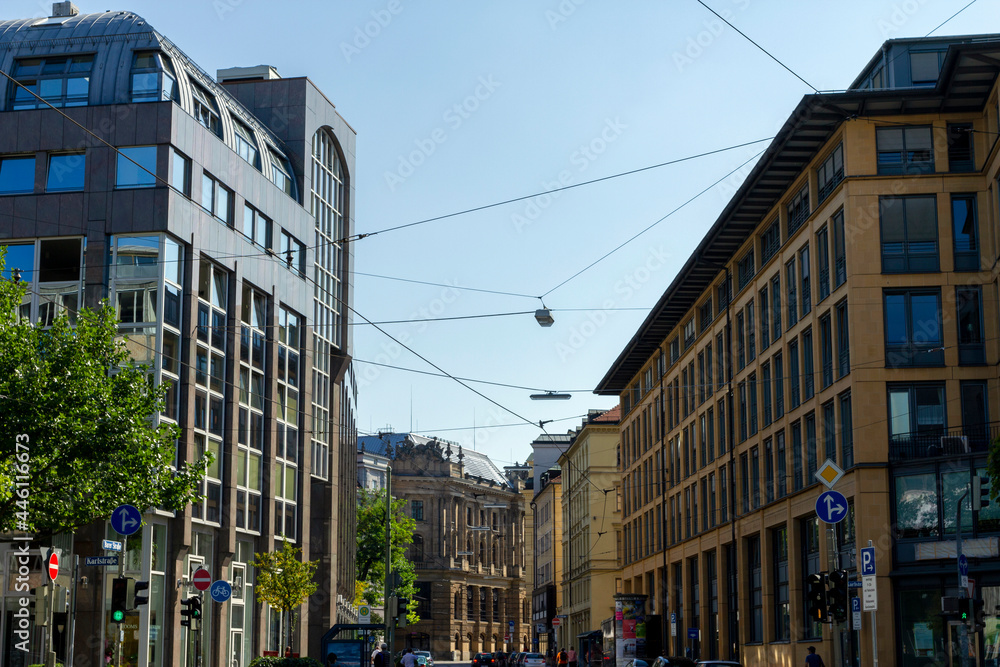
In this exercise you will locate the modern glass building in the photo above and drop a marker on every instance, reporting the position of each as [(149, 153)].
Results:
[(212, 213)]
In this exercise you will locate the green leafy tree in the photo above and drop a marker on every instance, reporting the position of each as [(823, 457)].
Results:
[(371, 549), (284, 582), (77, 418)]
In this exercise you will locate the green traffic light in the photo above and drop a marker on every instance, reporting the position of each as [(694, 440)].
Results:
[(118, 616)]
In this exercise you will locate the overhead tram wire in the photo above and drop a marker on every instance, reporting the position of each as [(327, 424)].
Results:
[(358, 237), (766, 52), (950, 18), (643, 231), (496, 384)]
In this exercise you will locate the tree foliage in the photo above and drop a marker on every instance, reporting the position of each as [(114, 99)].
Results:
[(86, 413), (370, 561), (282, 580)]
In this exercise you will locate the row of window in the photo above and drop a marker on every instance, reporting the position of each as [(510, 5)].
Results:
[(64, 81), (910, 149)]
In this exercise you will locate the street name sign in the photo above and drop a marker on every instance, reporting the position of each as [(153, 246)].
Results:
[(101, 561)]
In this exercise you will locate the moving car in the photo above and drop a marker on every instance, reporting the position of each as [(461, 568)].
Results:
[(534, 660), (484, 660), (425, 654)]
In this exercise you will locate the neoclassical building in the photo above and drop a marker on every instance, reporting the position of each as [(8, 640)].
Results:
[(468, 546), (212, 212)]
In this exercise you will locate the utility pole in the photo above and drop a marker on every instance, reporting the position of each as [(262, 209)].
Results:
[(833, 562), (963, 629), (386, 615), (120, 633)]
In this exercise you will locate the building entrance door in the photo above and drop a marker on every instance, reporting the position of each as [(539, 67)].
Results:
[(955, 647)]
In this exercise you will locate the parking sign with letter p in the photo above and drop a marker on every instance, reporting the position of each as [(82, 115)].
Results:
[(868, 561)]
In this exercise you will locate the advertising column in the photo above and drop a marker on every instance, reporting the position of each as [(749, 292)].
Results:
[(630, 627)]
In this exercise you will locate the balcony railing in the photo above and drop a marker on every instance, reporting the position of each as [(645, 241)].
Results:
[(938, 442)]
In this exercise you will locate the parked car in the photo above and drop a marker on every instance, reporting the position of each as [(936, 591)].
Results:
[(636, 662), (484, 660), (674, 661), (534, 660), (427, 655)]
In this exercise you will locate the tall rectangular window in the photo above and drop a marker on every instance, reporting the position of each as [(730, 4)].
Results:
[(765, 381), (843, 340), (768, 470), (846, 431), (723, 443), (755, 477), (765, 314), (707, 380), (812, 464), (909, 232), (751, 333), (712, 518), (808, 374), (796, 456), (779, 386), (965, 232), (913, 334), (701, 377), (180, 172), (776, 304), (705, 314), (752, 389), (798, 210), (720, 362), (710, 435), (746, 269), (830, 173), (743, 411), (823, 262), (960, 148), (793, 375), (829, 432), (904, 150), (826, 350), (744, 483), (755, 632), (971, 341), (741, 359), (779, 443), (770, 241), (791, 298), (782, 607), (723, 495), (839, 250), (805, 288)]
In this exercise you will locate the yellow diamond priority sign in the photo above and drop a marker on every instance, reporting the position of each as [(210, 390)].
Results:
[(829, 473)]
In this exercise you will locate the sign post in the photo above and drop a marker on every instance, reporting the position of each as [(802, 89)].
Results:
[(126, 520), (870, 593)]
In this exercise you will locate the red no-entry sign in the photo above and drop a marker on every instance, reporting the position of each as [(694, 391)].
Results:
[(53, 566), (202, 579)]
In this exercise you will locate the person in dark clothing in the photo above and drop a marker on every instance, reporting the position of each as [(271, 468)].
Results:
[(813, 659)]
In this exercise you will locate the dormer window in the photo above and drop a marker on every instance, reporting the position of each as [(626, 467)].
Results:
[(204, 110), (153, 78), (62, 81), (281, 173), (246, 146)]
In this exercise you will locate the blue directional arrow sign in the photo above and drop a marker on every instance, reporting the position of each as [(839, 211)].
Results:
[(831, 507), (963, 565), (221, 591), (126, 519)]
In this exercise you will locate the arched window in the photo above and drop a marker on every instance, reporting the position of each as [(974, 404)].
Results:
[(330, 208), (417, 549)]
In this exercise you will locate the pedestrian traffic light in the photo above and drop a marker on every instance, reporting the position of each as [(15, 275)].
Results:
[(119, 598), (837, 595), (402, 604), (980, 492), (191, 611), (138, 600), (816, 597)]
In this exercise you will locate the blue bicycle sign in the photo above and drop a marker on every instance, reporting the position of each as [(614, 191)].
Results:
[(221, 590)]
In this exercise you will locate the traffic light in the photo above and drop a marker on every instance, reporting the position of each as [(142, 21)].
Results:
[(62, 600), (816, 597), (119, 599), (978, 615), (980, 492), (402, 604), (41, 607), (191, 611), (138, 600), (837, 595)]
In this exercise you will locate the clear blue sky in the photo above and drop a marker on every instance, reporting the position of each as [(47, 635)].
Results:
[(462, 104)]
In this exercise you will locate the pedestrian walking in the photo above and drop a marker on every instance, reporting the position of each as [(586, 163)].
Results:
[(409, 660), (813, 659), (571, 656), (562, 660)]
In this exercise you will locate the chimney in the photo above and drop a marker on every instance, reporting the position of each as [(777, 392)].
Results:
[(64, 9)]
